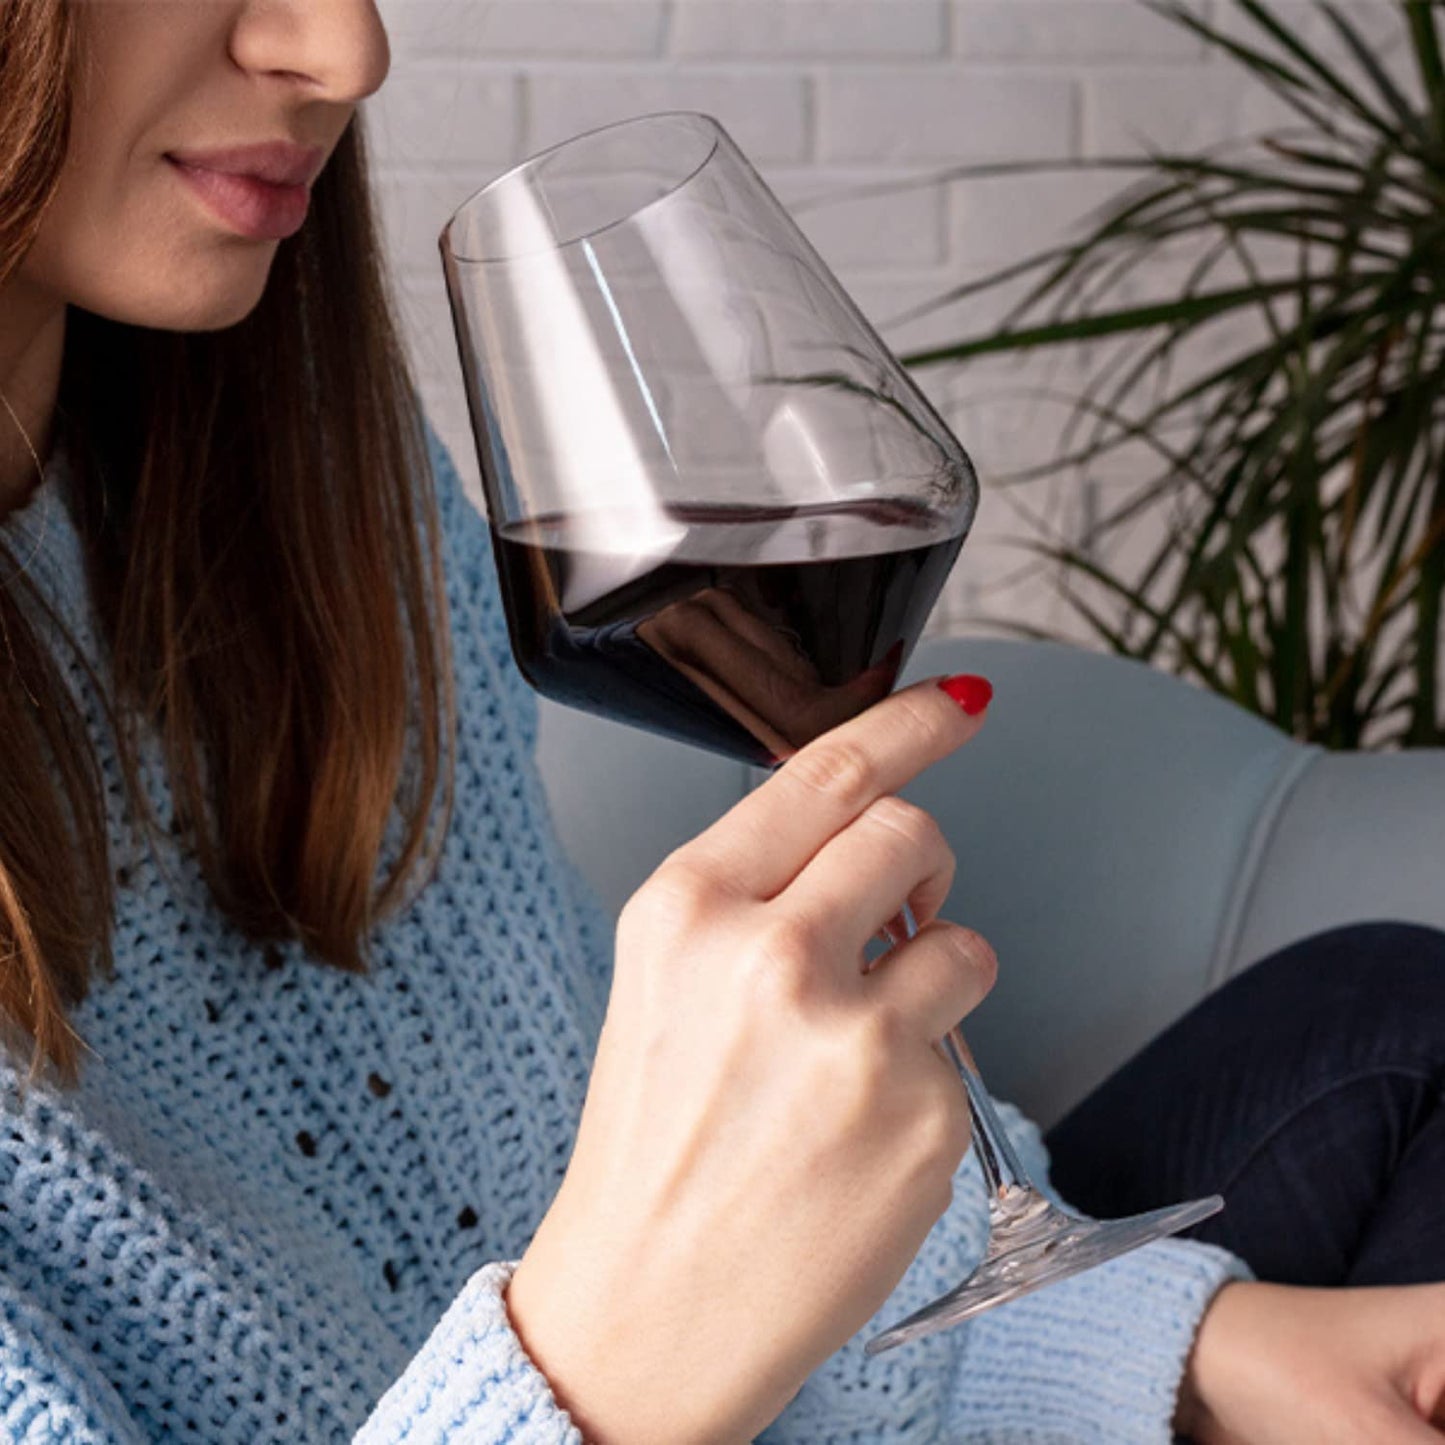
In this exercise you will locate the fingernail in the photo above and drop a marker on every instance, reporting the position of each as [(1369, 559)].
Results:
[(972, 694)]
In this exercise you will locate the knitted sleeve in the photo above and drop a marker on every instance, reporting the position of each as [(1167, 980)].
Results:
[(470, 1383)]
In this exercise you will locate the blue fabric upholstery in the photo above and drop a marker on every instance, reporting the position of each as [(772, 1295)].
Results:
[(1103, 820), (1361, 836), (1125, 840)]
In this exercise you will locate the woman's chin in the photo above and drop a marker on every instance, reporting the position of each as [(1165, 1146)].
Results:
[(198, 303), (210, 308)]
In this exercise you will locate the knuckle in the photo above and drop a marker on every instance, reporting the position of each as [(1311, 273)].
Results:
[(792, 939), (885, 1030), (945, 1131), (862, 1068), (772, 989), (929, 722), (840, 771), (681, 866), (779, 972), (974, 952), (915, 825), (678, 894)]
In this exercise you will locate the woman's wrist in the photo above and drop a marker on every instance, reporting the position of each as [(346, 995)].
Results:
[(610, 1378), (1187, 1410), (571, 1394), (1193, 1418), (568, 1382)]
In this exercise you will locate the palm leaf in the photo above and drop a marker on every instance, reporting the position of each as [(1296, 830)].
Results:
[(1302, 565)]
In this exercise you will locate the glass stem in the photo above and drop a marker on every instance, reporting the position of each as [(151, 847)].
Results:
[(1003, 1170)]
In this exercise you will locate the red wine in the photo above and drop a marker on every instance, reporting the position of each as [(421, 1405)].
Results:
[(746, 630)]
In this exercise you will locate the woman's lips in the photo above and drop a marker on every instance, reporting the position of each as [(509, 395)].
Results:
[(259, 209)]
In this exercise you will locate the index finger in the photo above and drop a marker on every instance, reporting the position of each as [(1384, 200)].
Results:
[(762, 843)]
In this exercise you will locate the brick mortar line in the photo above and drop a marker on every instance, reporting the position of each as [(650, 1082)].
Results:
[(850, 67)]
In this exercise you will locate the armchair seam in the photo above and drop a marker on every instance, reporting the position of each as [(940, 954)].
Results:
[(1245, 882)]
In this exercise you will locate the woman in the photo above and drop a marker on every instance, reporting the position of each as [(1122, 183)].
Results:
[(304, 1155)]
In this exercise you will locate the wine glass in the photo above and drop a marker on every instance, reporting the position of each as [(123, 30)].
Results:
[(721, 510)]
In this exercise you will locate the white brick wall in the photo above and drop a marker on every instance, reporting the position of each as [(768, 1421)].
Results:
[(827, 97)]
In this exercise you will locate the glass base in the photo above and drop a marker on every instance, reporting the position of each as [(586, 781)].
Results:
[(1033, 1243)]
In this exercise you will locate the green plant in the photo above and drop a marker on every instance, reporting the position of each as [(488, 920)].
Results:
[(1301, 478)]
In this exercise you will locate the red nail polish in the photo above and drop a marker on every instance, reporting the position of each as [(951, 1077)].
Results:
[(972, 694)]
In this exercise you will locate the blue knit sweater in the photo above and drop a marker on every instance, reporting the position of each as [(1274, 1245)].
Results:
[(284, 1201)]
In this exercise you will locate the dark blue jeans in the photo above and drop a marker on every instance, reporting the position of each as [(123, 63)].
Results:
[(1310, 1092)]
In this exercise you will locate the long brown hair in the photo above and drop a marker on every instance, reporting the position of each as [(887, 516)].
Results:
[(266, 572)]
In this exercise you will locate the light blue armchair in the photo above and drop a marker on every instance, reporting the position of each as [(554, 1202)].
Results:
[(1126, 841)]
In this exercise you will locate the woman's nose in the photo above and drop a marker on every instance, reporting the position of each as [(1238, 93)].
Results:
[(338, 47)]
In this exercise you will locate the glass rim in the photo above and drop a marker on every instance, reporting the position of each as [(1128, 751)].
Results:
[(514, 172)]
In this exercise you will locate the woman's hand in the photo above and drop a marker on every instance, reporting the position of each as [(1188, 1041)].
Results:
[(768, 1135), (1275, 1365)]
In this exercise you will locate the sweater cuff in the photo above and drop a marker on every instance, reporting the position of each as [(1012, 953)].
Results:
[(472, 1381), (1100, 1356)]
